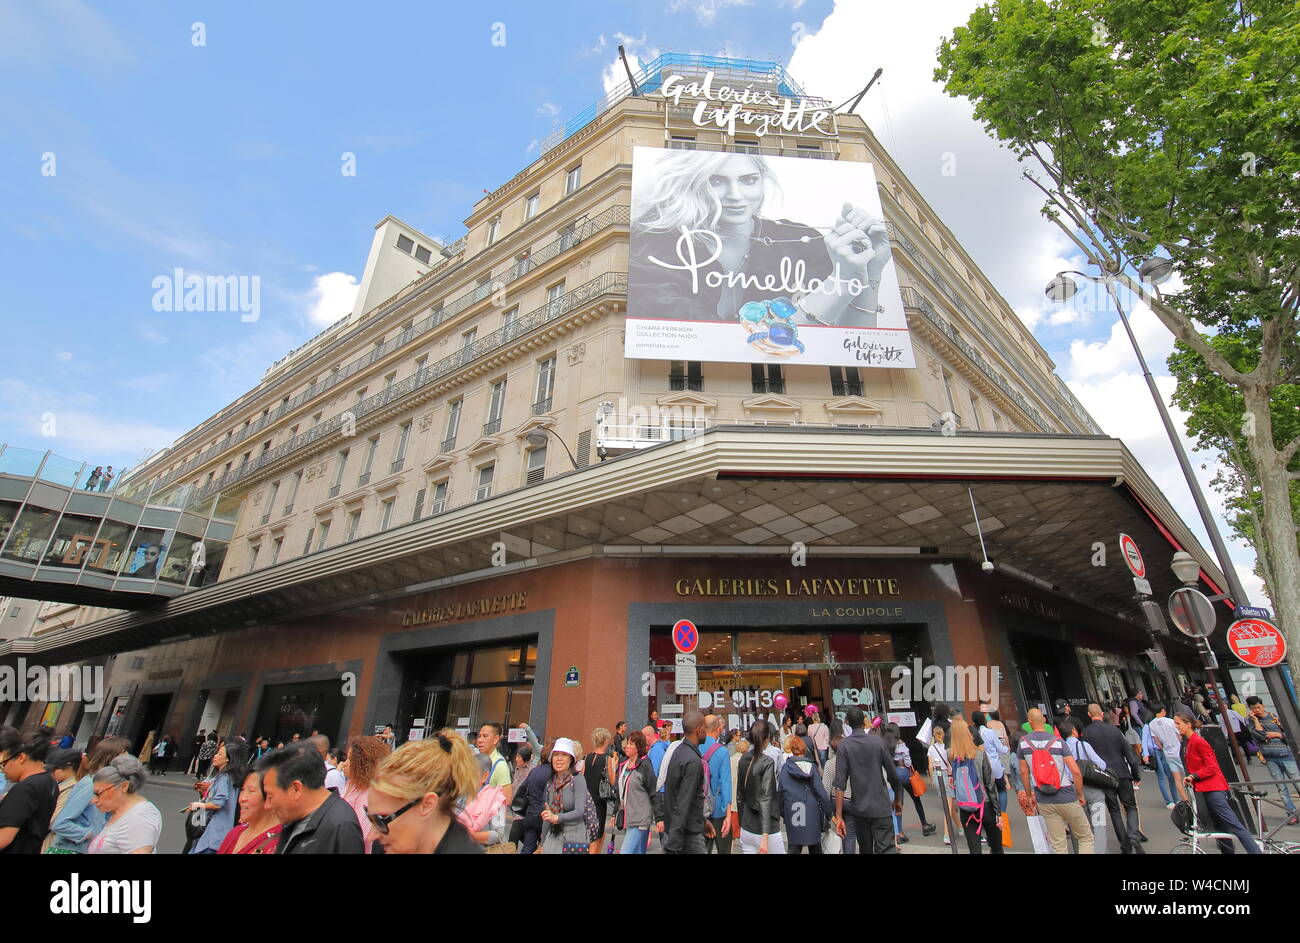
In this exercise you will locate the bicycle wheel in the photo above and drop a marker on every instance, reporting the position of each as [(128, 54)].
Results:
[(1272, 847), (1187, 848)]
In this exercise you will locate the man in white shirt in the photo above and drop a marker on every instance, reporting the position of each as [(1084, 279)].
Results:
[(1169, 761), (335, 781)]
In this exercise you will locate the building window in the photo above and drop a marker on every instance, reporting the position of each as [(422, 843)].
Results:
[(438, 503), (532, 203), (468, 338), (453, 425), (323, 536), (422, 254), (975, 411), (845, 381), (685, 375), (354, 522), (494, 229), (252, 556), (510, 316), (767, 378), (372, 445), (270, 502), (496, 401), (545, 385), (420, 363), (361, 394), (553, 295), (389, 380), (276, 546), (338, 472), (405, 244), (293, 492), (536, 466), (484, 489), (387, 515), (572, 179), (947, 391), (399, 453)]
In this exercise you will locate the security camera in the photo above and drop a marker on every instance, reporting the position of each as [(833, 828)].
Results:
[(987, 566)]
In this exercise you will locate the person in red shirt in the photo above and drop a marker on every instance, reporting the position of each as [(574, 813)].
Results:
[(1205, 776)]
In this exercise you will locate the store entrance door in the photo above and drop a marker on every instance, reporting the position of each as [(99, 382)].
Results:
[(428, 713)]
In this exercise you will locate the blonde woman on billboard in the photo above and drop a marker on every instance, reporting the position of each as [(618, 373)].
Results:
[(703, 250)]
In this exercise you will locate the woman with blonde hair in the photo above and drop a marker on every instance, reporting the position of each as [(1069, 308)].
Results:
[(974, 790), (700, 240), (600, 767), (412, 797), (79, 821), (364, 756)]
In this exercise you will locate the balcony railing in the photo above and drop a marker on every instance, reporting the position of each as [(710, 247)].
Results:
[(614, 216), (542, 406), (398, 465), (492, 427), (914, 299), (447, 444), (611, 283), (814, 153)]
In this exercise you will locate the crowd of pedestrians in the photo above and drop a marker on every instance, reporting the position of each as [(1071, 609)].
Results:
[(804, 787)]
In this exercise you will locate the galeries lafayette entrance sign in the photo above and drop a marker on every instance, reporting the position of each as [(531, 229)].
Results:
[(725, 106)]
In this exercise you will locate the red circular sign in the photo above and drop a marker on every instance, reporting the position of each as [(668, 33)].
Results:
[(1257, 642), (685, 636), (1128, 549)]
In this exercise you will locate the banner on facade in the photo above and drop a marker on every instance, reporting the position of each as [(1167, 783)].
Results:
[(743, 258)]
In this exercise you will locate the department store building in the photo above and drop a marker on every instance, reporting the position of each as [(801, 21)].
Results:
[(471, 499)]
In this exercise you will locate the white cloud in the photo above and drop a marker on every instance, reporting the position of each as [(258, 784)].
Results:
[(331, 297), (64, 355), (614, 74), (83, 431), (1100, 359), (548, 108)]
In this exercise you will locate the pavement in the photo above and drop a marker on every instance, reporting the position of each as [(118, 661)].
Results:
[(173, 792)]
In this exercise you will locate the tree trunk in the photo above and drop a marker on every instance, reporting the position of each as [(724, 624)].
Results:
[(1279, 548)]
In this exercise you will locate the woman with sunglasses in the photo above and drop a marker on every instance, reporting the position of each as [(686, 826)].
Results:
[(413, 795), (80, 820), (134, 823)]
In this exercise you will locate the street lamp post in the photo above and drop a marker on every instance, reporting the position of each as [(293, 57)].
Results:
[(537, 437), (1156, 270)]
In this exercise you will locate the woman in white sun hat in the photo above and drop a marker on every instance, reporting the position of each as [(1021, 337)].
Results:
[(564, 830)]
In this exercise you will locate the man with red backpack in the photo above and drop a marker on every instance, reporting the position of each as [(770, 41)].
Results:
[(1047, 764)]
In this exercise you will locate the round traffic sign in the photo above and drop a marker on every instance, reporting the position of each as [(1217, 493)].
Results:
[(1257, 642), (1192, 612), (685, 636), (1128, 549)]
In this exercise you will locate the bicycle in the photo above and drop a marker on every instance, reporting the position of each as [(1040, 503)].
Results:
[(1267, 843), (1187, 821)]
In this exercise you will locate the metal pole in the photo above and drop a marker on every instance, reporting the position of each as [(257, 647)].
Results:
[(1211, 528)]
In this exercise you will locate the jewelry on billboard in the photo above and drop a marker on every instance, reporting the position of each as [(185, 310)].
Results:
[(781, 336)]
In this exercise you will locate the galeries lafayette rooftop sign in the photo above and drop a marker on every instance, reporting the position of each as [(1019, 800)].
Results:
[(725, 106)]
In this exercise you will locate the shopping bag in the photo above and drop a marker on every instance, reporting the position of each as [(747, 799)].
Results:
[(1038, 835), (1006, 831), (832, 844), (925, 734)]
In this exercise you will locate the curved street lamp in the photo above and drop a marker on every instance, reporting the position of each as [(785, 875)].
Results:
[(536, 437)]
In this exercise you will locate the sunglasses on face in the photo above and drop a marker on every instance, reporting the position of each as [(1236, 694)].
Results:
[(381, 822)]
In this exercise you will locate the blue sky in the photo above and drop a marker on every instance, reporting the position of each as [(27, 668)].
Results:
[(225, 159)]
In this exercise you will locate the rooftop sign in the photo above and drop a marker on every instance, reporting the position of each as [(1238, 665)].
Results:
[(758, 110)]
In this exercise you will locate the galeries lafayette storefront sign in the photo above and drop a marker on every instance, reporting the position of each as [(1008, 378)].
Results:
[(725, 106)]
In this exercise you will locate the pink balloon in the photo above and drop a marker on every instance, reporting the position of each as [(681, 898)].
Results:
[(810, 710), (781, 701)]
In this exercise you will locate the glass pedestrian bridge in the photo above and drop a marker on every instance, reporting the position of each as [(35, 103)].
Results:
[(66, 535)]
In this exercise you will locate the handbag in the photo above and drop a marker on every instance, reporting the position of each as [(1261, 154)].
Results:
[(1006, 831), (919, 785), (575, 848), (591, 819), (1095, 777), (832, 844)]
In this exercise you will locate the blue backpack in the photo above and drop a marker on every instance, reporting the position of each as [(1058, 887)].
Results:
[(968, 791)]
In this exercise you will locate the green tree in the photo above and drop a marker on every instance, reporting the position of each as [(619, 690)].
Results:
[(1170, 128)]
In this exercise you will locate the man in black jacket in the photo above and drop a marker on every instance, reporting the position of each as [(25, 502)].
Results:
[(316, 821), (683, 821), (863, 763), (1109, 743)]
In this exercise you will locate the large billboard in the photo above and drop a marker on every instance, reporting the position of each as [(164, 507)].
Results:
[(752, 259)]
